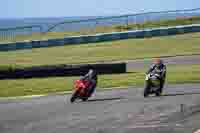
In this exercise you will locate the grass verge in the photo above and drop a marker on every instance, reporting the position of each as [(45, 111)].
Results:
[(177, 74), (105, 51)]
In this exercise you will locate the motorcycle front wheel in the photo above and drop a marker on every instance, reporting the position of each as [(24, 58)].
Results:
[(146, 89), (74, 96)]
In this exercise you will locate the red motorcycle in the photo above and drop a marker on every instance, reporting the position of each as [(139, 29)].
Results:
[(81, 90)]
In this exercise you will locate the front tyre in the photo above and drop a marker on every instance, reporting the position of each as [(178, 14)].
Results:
[(146, 90), (146, 93), (74, 96)]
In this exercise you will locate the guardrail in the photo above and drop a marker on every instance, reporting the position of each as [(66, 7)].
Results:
[(101, 37), (62, 70)]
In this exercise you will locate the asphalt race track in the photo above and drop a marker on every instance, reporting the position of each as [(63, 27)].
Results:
[(113, 111), (116, 111), (180, 60)]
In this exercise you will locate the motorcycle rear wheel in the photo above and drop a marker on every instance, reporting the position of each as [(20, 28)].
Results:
[(159, 92), (84, 99)]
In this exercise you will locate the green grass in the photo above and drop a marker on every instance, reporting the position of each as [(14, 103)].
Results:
[(106, 29), (104, 51), (159, 23), (176, 74)]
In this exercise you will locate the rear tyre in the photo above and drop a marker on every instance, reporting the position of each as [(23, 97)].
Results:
[(84, 99), (158, 93), (74, 96)]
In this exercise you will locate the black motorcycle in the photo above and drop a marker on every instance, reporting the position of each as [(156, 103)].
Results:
[(152, 85)]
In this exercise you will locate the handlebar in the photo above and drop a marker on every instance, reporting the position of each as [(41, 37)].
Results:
[(154, 74)]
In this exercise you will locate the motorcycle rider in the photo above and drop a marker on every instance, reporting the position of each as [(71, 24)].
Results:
[(159, 67), (92, 77)]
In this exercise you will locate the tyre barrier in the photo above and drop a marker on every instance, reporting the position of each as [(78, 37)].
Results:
[(61, 70), (101, 37)]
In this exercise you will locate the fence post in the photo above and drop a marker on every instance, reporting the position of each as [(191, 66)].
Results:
[(127, 22)]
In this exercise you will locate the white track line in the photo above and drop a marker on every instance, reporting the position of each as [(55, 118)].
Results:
[(156, 125), (58, 93)]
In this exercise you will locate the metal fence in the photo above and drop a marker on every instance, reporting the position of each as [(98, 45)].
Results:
[(100, 25), (125, 20), (20, 33)]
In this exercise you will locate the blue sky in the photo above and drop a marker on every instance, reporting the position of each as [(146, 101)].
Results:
[(58, 8)]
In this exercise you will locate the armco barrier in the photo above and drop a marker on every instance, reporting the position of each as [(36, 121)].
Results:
[(62, 70), (101, 37)]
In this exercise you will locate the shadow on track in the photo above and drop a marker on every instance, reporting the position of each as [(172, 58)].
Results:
[(176, 94), (106, 99), (181, 94)]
